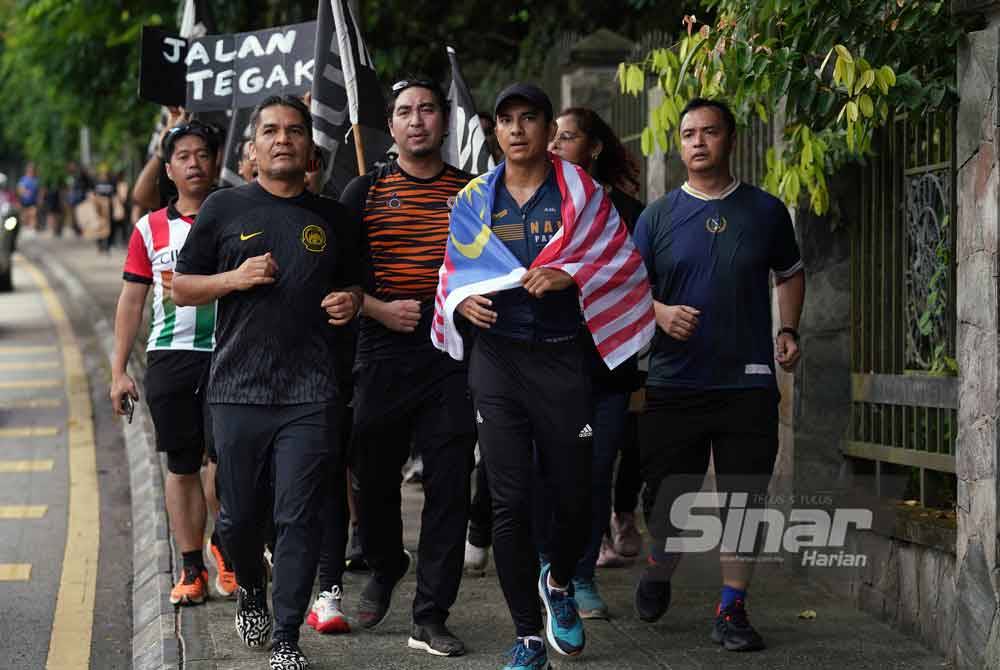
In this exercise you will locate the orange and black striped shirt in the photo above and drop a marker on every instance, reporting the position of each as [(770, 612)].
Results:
[(404, 223)]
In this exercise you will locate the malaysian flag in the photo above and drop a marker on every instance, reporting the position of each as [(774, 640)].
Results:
[(466, 147), (346, 97), (593, 246)]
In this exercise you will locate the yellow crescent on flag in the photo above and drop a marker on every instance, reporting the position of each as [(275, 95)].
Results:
[(475, 248)]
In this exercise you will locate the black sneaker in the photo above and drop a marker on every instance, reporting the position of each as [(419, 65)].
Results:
[(435, 638), (732, 629), (652, 597), (286, 655), (253, 619), (355, 561), (376, 598)]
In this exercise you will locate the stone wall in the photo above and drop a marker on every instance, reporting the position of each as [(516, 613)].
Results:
[(978, 639)]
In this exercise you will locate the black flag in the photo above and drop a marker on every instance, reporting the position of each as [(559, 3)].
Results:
[(332, 108), (466, 147)]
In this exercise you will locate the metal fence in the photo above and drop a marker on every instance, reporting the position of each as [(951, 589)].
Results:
[(904, 392)]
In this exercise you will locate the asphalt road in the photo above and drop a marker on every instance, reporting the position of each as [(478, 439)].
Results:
[(75, 610)]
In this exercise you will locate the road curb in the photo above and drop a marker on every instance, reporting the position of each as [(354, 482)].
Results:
[(155, 641)]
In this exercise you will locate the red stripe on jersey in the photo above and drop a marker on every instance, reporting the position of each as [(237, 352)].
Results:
[(159, 226)]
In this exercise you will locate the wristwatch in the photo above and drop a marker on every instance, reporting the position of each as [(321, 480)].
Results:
[(791, 331)]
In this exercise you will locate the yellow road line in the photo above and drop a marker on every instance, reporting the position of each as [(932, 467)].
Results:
[(23, 511), (15, 572), (30, 431), (72, 625), (29, 365), (28, 349), (31, 384), (31, 403), (43, 465)]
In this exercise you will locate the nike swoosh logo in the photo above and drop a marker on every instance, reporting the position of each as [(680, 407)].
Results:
[(244, 237)]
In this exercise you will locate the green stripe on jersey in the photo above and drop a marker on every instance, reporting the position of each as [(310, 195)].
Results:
[(204, 326), (169, 319)]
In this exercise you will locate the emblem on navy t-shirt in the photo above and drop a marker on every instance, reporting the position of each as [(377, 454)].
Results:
[(716, 224)]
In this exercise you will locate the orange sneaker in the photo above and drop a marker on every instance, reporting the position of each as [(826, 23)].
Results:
[(192, 589), (225, 580)]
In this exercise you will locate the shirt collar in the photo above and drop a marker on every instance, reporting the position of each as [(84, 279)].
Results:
[(728, 191)]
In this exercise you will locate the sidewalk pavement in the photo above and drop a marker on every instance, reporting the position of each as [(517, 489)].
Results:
[(839, 638)]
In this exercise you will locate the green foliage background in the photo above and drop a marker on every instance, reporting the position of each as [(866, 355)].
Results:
[(69, 63)]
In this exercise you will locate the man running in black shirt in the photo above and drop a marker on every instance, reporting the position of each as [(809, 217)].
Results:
[(283, 264), (406, 389)]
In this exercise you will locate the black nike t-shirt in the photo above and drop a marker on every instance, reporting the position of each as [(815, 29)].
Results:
[(274, 345)]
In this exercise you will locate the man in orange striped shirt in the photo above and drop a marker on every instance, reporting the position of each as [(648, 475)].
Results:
[(405, 389)]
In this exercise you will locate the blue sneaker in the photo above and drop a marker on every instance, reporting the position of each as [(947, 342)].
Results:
[(588, 601), (528, 655), (563, 628)]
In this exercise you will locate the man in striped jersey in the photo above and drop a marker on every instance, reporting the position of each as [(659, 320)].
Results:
[(407, 391), (179, 349)]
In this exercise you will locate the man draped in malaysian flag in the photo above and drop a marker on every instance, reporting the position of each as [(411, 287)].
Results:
[(536, 252)]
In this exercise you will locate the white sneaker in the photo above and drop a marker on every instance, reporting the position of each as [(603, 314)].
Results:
[(326, 615), (476, 559)]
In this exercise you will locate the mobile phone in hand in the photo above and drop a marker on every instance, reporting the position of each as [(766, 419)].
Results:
[(129, 406)]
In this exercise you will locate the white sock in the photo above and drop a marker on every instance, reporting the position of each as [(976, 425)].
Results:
[(528, 638)]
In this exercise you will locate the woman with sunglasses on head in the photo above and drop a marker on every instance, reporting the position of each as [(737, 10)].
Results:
[(584, 138)]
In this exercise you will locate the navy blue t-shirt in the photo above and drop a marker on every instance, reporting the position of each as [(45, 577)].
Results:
[(716, 254), (525, 231)]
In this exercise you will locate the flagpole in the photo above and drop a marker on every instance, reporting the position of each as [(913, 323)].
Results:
[(359, 148)]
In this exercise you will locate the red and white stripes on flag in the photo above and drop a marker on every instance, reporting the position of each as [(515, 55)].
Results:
[(594, 247)]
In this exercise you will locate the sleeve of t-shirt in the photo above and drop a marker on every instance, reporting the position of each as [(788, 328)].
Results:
[(200, 253), (785, 257), (643, 242), (349, 263), (138, 267)]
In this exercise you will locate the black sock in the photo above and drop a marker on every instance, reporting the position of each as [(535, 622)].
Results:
[(193, 559)]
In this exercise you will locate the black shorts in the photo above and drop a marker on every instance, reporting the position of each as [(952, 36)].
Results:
[(679, 430), (175, 393)]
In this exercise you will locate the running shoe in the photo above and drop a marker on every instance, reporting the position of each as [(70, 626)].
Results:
[(192, 588), (527, 654), (286, 655), (355, 558), (608, 557), (326, 615), (253, 619), (225, 578), (563, 628), (436, 639), (588, 600), (376, 599), (476, 559), (625, 535), (733, 631), (652, 596)]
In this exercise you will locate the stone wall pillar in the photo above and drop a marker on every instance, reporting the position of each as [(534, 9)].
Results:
[(590, 69), (977, 639)]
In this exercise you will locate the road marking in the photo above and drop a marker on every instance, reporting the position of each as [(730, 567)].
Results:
[(43, 465), (31, 384), (72, 625), (30, 365), (31, 403), (30, 431), (28, 349), (23, 511), (15, 572)]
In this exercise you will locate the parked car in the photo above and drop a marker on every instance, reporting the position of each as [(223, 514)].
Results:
[(9, 229)]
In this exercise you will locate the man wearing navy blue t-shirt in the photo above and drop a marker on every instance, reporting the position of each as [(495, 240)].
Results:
[(711, 247)]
